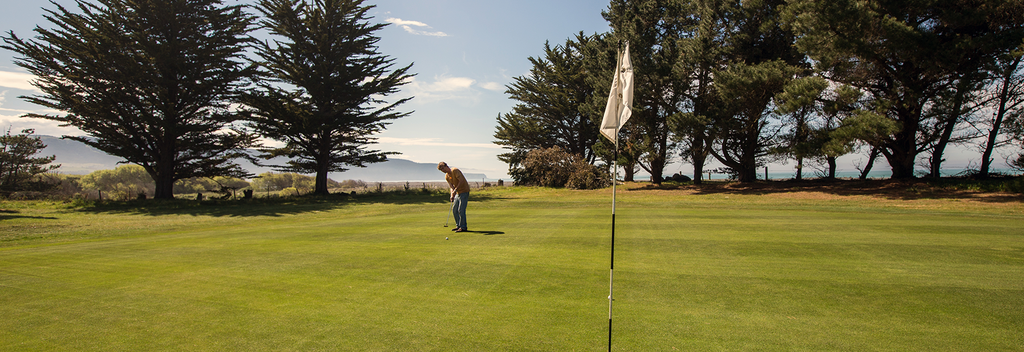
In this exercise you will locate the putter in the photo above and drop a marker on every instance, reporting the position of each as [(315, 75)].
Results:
[(449, 214)]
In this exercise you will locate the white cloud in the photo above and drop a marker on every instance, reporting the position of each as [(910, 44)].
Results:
[(41, 126), (408, 27), (16, 80), (442, 88), (449, 84), (402, 22), (495, 86), (448, 88)]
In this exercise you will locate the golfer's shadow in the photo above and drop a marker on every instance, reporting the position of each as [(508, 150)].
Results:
[(486, 233)]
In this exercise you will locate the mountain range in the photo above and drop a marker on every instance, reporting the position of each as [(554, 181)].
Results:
[(77, 158)]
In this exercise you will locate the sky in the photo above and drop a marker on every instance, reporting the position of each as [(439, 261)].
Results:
[(464, 54)]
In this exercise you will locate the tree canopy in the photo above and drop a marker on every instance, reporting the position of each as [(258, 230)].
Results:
[(752, 82), (552, 105), (324, 97), (149, 81)]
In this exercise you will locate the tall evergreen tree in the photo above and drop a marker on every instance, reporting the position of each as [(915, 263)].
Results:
[(749, 133), (552, 105), (653, 29), (1008, 98), (327, 51), (600, 57), (953, 110), (704, 52), (903, 54), (763, 61), (800, 102), (147, 80)]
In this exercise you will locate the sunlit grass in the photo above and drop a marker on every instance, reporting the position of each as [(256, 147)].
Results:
[(694, 271)]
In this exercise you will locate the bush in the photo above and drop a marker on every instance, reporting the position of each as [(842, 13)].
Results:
[(352, 184), (554, 167), (1016, 186), (586, 176), (124, 182), (678, 177)]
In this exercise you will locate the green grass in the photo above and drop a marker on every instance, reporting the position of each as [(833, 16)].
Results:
[(717, 271)]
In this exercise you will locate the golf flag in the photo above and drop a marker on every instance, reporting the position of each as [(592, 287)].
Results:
[(620, 99), (616, 113)]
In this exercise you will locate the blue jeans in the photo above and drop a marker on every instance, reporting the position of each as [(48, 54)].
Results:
[(459, 210)]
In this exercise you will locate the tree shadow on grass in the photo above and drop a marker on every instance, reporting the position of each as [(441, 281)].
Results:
[(12, 214), (268, 206)]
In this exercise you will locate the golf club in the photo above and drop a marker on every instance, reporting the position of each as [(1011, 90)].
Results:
[(450, 210)]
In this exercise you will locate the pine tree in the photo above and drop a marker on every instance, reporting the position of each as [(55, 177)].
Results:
[(551, 105), (904, 54), (653, 29), (326, 52), (18, 163), (147, 80)]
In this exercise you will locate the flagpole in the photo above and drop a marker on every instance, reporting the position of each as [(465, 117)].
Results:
[(611, 269), (617, 111)]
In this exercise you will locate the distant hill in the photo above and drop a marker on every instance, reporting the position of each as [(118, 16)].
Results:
[(77, 158)]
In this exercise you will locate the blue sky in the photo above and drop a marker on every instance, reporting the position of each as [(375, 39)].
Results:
[(463, 52)]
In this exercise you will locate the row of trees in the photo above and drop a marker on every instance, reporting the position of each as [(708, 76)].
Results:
[(751, 82), (158, 83), (128, 182)]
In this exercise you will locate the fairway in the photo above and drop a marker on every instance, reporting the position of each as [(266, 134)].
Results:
[(695, 271)]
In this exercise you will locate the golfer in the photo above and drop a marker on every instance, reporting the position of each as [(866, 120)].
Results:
[(459, 194)]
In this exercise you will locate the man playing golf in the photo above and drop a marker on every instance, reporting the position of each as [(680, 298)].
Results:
[(459, 194)]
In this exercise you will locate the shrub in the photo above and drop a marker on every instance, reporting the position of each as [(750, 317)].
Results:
[(586, 176), (1016, 186), (352, 184), (554, 167), (124, 182)]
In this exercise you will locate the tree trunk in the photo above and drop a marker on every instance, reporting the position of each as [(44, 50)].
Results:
[(940, 147), (799, 168), (658, 159), (698, 168), (748, 173), (947, 129), (698, 154), (831, 167), (748, 161), (164, 187), (164, 175), (993, 134), (323, 166), (321, 182), (657, 170), (871, 162), (901, 151)]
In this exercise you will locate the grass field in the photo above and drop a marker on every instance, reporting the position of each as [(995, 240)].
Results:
[(713, 269)]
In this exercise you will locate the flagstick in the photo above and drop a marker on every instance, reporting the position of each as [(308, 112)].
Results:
[(611, 270), (616, 112)]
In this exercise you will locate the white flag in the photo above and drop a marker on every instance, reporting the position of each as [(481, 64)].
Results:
[(620, 99)]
